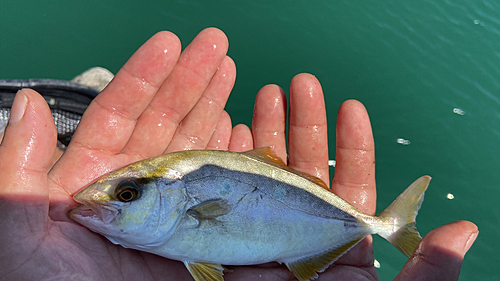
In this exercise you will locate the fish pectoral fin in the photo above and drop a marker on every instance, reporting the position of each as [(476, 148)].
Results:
[(307, 268), (210, 209), (205, 271)]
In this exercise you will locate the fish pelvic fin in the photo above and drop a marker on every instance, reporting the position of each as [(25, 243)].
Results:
[(307, 268), (205, 271), (401, 215)]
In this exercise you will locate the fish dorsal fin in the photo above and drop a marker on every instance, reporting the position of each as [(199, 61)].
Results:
[(267, 155), (205, 271), (307, 268)]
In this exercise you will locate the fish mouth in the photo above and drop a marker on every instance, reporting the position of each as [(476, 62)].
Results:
[(83, 211), (87, 212)]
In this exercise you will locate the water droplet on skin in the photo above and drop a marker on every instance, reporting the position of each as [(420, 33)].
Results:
[(190, 142), (112, 123), (165, 51), (276, 102), (215, 46), (363, 197), (161, 123), (192, 139), (218, 144), (143, 85), (311, 92), (318, 173)]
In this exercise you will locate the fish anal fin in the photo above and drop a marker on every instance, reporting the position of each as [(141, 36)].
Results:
[(267, 155), (205, 271), (307, 268)]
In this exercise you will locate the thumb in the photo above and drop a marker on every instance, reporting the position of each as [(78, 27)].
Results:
[(440, 254), (25, 158)]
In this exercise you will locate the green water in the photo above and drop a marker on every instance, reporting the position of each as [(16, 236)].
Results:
[(427, 71)]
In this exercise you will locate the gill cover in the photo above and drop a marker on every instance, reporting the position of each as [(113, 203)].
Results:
[(152, 218), (146, 211)]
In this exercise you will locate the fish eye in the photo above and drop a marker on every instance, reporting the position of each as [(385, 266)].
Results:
[(127, 191)]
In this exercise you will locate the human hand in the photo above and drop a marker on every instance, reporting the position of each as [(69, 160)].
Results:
[(160, 101), (440, 254), (140, 115)]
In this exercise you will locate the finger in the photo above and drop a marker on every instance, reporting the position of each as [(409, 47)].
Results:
[(269, 120), (114, 112), (179, 93), (440, 254), (354, 178), (308, 137), (27, 149), (241, 139), (110, 119), (222, 133), (196, 129)]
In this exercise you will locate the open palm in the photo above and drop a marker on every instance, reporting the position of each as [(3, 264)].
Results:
[(163, 101)]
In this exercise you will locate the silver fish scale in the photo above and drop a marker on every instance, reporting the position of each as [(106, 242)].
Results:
[(293, 197), (267, 221)]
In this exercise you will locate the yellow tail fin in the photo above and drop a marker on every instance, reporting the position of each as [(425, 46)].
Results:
[(402, 213)]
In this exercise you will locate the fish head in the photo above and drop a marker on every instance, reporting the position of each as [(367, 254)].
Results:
[(133, 210)]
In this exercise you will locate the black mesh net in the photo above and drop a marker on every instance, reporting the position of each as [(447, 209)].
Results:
[(67, 101)]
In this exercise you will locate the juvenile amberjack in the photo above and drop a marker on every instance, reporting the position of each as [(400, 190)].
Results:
[(208, 208)]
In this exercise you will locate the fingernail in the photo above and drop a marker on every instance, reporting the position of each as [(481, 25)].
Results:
[(470, 241), (18, 107)]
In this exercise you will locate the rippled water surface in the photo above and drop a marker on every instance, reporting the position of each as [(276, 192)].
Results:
[(428, 72)]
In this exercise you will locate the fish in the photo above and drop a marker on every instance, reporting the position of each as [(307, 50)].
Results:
[(209, 208)]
